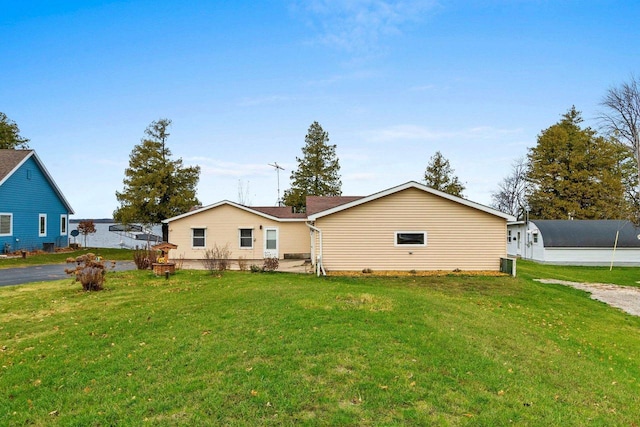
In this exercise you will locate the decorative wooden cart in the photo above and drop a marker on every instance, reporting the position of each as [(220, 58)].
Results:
[(163, 266)]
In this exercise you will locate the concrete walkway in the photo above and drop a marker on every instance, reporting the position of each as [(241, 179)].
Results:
[(285, 265)]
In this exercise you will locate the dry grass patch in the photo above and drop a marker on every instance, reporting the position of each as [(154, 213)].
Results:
[(425, 273)]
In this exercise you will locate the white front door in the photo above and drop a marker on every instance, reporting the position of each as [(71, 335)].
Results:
[(271, 243)]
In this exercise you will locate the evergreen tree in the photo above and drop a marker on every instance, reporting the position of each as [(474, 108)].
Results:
[(577, 174), (156, 187), (10, 134), (318, 170), (440, 176)]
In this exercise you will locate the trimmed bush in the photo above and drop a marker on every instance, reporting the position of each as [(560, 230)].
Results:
[(271, 264), (144, 258), (90, 271)]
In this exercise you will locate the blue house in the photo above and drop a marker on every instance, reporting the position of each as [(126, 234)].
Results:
[(33, 211)]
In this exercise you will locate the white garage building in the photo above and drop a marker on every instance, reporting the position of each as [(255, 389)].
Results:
[(575, 242)]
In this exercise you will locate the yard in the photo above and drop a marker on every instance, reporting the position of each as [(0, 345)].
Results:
[(285, 349)]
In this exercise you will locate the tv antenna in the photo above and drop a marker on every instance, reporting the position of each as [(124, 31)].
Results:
[(278, 169)]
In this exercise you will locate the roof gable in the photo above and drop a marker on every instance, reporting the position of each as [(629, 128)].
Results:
[(12, 160), (588, 233), (410, 184), (319, 206), (275, 213)]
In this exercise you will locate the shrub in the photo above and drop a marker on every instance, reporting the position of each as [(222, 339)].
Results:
[(90, 271), (367, 271), (271, 264), (216, 260), (179, 262), (242, 264), (144, 258), (255, 269)]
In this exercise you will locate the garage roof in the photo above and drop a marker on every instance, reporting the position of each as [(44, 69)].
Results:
[(588, 233)]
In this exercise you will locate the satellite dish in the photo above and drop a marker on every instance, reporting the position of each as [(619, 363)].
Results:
[(75, 233)]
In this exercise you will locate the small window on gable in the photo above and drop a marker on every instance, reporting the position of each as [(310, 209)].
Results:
[(199, 236), (246, 238), (535, 237), (63, 225), (6, 224), (42, 225), (411, 238)]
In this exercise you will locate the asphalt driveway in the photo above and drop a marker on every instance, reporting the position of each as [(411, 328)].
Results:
[(43, 273)]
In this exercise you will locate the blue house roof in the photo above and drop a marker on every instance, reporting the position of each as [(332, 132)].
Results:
[(10, 162), (588, 233)]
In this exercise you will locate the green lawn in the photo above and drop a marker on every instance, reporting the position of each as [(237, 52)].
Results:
[(286, 349), (627, 276)]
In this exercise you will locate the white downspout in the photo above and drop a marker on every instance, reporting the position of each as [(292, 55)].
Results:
[(319, 266)]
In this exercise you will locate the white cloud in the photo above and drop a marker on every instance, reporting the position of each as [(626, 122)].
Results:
[(212, 167), (423, 88), (265, 100), (360, 24), (414, 132)]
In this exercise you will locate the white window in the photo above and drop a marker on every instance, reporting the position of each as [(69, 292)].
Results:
[(535, 237), (509, 236), (6, 224), (198, 237), (42, 225), (246, 238), (411, 238), (63, 225)]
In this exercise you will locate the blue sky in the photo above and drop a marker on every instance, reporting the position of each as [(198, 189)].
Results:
[(391, 81)]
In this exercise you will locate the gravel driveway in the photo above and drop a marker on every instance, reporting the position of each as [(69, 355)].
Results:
[(626, 298)]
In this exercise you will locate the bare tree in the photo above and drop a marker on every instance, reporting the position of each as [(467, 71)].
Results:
[(243, 193), (86, 227), (622, 118), (511, 194)]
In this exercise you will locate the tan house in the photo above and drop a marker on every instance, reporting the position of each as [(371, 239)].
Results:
[(253, 233), (408, 227)]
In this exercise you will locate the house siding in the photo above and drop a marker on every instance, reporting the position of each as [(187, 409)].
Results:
[(458, 236), (26, 194), (222, 225)]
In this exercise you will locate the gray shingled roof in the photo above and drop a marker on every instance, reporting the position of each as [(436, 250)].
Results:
[(317, 204), (9, 159), (283, 212), (588, 233)]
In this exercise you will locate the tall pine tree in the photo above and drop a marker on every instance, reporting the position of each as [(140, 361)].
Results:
[(318, 170), (574, 173), (440, 176), (156, 187)]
